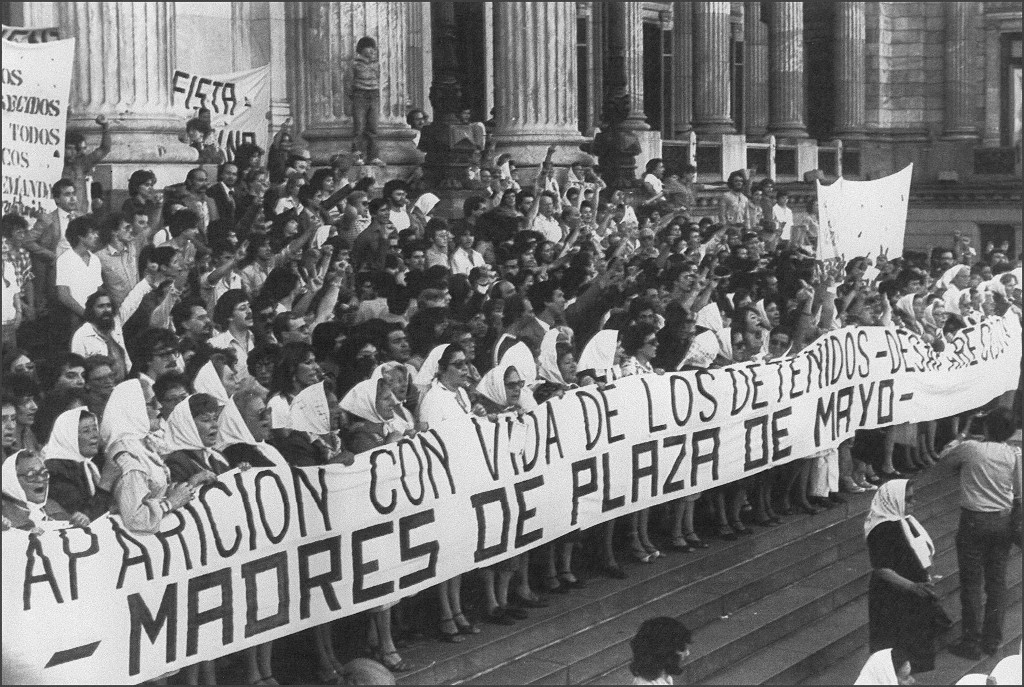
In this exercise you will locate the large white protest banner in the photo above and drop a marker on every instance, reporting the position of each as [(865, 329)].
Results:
[(266, 553), (239, 104), (34, 101), (25, 34), (862, 218)]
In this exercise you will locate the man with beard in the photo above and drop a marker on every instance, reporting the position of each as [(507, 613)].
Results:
[(157, 352), (195, 199), (395, 193), (223, 192), (735, 207), (102, 334), (192, 321)]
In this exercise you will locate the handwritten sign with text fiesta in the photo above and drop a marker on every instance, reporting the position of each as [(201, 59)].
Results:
[(266, 553)]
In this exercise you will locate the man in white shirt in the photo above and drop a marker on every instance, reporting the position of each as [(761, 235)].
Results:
[(395, 192), (101, 334), (79, 273), (233, 316), (545, 221), (782, 214), (464, 258)]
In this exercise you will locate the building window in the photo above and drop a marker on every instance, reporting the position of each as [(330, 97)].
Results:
[(658, 77), (997, 236)]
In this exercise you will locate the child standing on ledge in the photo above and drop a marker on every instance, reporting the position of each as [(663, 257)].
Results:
[(365, 101)]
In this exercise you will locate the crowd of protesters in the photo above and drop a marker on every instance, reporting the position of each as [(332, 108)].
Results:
[(289, 313)]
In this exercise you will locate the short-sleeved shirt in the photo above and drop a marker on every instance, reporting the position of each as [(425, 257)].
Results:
[(990, 474), (82, 279)]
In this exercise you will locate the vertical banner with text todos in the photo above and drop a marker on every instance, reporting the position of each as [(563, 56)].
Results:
[(267, 552), (35, 89), (862, 218), (239, 104)]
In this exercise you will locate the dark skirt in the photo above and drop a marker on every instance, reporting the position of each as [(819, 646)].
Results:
[(899, 619)]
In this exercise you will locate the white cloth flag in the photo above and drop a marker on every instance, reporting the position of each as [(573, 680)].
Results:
[(860, 218), (36, 84), (239, 104)]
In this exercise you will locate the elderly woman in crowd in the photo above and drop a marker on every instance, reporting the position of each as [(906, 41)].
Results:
[(71, 457), (26, 502)]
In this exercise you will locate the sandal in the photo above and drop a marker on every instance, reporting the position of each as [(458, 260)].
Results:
[(680, 544), (450, 637), (465, 627), (395, 665), (694, 541), (639, 553)]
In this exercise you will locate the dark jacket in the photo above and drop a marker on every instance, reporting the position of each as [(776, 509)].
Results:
[(69, 488)]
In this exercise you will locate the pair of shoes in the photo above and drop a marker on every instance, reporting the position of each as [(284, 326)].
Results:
[(966, 649), (526, 602), (514, 612), (465, 627), (680, 544), (739, 528), (694, 541), (392, 661), (554, 586), (651, 549), (498, 616), (806, 507), (452, 637), (614, 571), (725, 532), (570, 581), (850, 487), (639, 553)]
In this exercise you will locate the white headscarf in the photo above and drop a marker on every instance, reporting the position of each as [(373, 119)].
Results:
[(599, 353), (949, 275), (548, 361), (124, 416), (426, 202), (233, 429), (906, 306), (503, 344), (12, 488), (973, 679), (309, 411), (184, 435), (951, 299), (428, 370), (209, 382), (890, 505), (1007, 671), (878, 670), (710, 317), (63, 445), (703, 350)]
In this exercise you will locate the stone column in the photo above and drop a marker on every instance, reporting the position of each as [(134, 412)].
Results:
[(755, 72), (786, 69), (329, 33), (535, 79), (122, 70), (960, 121), (850, 75), (626, 33), (711, 97), (682, 66)]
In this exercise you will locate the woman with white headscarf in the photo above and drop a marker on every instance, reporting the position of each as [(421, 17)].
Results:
[(373, 405), (601, 358), (445, 399), (556, 365), (26, 502), (314, 419), (901, 596), (194, 431), (886, 667), (70, 457), (142, 486)]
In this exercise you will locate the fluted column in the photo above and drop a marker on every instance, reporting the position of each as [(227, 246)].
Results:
[(122, 70), (850, 76), (682, 66), (631, 32), (755, 71), (535, 77), (786, 69), (330, 31), (711, 96), (959, 89)]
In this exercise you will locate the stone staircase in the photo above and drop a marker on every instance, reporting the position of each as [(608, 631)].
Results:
[(787, 605)]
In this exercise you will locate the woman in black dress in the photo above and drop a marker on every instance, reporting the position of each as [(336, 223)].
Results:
[(901, 597)]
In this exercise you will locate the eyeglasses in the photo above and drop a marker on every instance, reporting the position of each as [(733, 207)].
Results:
[(515, 385), (35, 475)]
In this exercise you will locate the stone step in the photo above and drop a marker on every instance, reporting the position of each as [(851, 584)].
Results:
[(574, 643), (823, 643), (756, 629), (948, 668)]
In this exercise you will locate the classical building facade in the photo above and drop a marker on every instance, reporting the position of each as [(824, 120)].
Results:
[(853, 88)]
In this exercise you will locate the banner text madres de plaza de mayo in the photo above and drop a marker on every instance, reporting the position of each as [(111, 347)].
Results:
[(265, 553)]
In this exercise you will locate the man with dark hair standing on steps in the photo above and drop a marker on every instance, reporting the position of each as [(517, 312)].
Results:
[(990, 492)]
